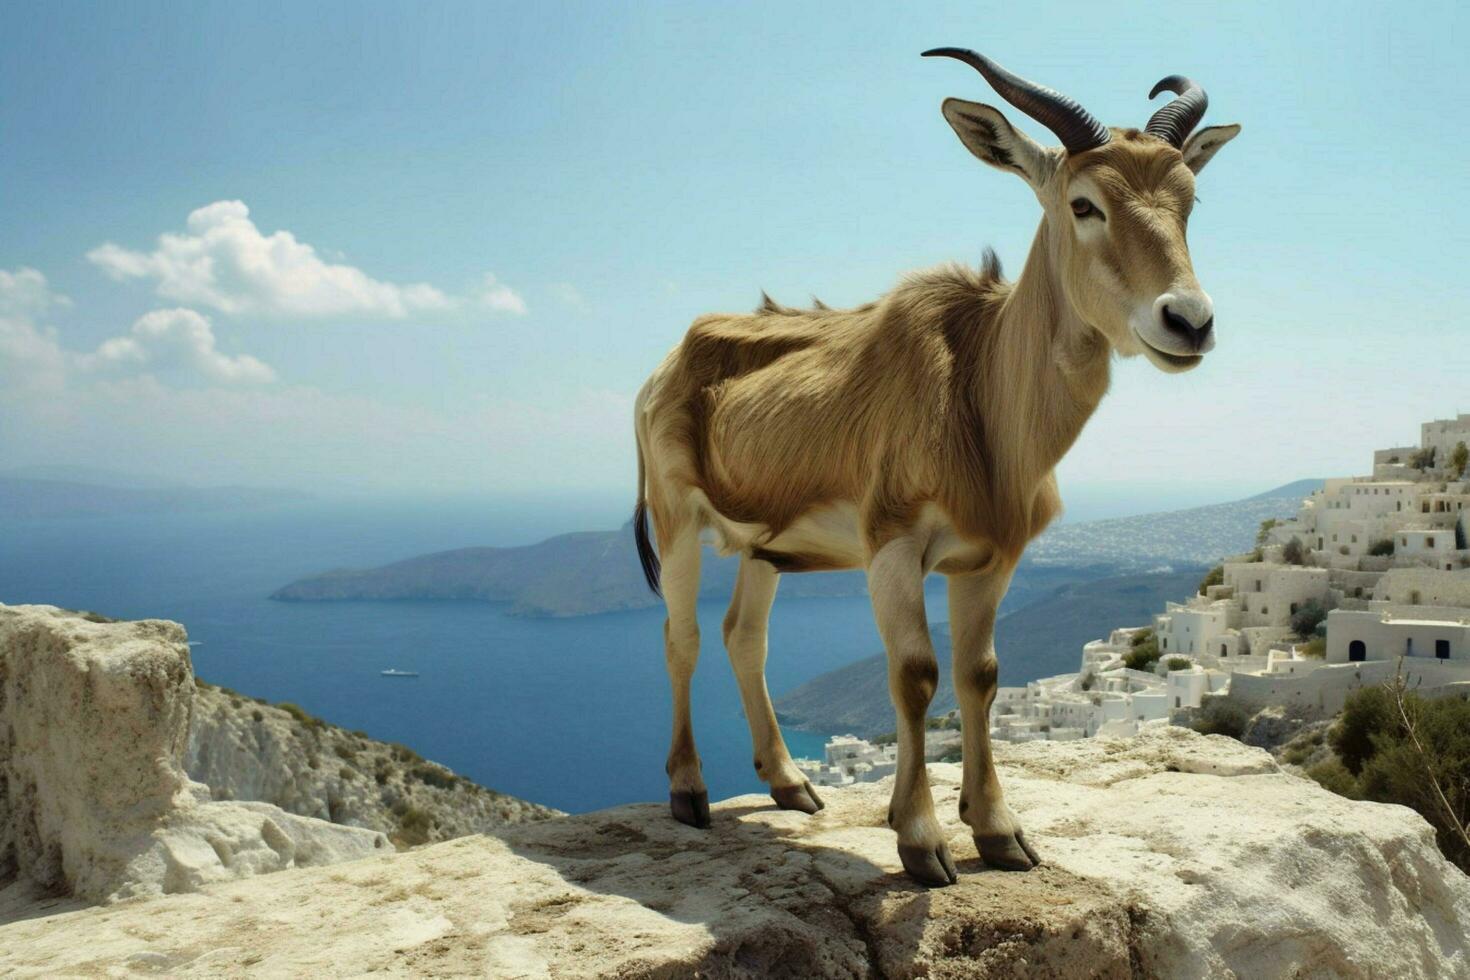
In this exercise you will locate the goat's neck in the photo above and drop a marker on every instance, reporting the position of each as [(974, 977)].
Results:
[(1048, 369)]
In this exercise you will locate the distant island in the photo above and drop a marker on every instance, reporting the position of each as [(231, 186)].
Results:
[(591, 572), (38, 495)]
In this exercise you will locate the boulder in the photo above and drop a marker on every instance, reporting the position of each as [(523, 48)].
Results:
[(1169, 854), (94, 800)]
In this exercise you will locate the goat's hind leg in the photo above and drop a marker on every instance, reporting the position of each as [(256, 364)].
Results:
[(745, 639), (679, 552)]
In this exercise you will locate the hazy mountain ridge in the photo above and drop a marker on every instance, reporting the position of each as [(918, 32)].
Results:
[(1041, 638), (1197, 535), (589, 572)]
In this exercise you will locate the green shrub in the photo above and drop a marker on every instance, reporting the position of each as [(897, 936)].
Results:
[(1375, 745), (1315, 647), (887, 738), (297, 712), (1460, 458), (1308, 616), (414, 826), (345, 773), (1215, 576), (345, 751), (1293, 553), (1265, 531), (1368, 713), (1423, 459), (1332, 775), (1219, 716), (1382, 548), (258, 715), (403, 753), (1144, 654), (1178, 663), (432, 775), (1297, 754)]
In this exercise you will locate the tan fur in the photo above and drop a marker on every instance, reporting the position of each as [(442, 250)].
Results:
[(957, 388)]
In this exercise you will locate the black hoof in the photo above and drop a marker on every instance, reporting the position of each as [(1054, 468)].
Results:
[(928, 865), (691, 808), (802, 798), (1006, 852)]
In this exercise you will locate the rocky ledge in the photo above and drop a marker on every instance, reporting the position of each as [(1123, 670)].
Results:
[(94, 800), (1167, 855)]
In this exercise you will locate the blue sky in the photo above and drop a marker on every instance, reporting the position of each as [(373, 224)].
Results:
[(512, 212)]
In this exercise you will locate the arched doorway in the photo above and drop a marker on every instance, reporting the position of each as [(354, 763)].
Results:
[(1357, 650)]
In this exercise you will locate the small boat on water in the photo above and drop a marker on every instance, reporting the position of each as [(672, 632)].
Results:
[(395, 672)]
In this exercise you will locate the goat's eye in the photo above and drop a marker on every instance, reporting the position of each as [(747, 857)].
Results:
[(1083, 208)]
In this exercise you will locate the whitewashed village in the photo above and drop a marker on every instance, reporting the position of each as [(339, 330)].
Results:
[(1370, 578)]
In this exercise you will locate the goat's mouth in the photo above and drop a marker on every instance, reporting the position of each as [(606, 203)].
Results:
[(1172, 363)]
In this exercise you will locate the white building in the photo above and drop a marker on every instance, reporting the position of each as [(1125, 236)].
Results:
[(849, 759), (1442, 435), (1391, 631)]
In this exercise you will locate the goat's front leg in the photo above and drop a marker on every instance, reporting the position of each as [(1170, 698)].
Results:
[(973, 600), (896, 585)]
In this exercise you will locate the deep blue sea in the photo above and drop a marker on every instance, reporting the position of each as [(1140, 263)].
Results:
[(572, 713)]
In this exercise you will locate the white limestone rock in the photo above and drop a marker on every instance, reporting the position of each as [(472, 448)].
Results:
[(1168, 855), (94, 800)]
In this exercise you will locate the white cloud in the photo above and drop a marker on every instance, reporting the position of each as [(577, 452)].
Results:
[(224, 262), (118, 406), (25, 292), (179, 339), (180, 342), (496, 295)]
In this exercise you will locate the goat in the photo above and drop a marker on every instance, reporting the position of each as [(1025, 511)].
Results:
[(920, 433)]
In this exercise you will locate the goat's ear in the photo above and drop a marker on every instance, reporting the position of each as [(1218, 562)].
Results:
[(987, 134), (1201, 147)]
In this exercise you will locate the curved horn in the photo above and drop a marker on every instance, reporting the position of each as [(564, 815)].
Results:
[(1174, 122), (1073, 125)]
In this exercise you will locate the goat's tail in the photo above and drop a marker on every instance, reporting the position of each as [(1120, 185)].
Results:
[(647, 557)]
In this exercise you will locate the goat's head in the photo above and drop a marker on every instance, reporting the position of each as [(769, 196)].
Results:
[(1120, 200)]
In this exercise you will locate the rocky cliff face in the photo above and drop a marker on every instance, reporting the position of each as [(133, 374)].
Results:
[(244, 749), (1167, 855), (94, 800)]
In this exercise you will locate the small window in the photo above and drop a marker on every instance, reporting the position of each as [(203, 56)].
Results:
[(1176, 701), (1442, 649), (1224, 652), (1429, 542), (1293, 609)]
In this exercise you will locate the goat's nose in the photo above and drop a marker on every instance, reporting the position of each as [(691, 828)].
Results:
[(1197, 337)]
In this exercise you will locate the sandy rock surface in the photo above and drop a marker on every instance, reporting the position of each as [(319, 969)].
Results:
[(94, 800), (1169, 855)]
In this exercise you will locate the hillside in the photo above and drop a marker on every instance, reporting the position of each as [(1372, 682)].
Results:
[(29, 498), (597, 571), (1037, 640), (245, 749)]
